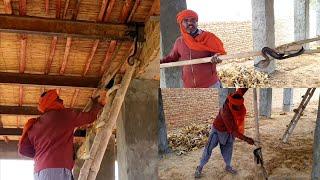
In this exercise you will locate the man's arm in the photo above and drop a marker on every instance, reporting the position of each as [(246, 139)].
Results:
[(25, 148), (173, 56)]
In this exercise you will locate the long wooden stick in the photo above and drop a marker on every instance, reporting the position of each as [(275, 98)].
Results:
[(84, 172), (223, 58), (111, 121)]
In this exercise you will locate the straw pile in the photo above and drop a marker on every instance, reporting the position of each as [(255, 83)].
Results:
[(189, 138), (241, 76)]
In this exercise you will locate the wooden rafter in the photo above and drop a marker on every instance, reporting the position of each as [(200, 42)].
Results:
[(58, 27), (90, 57), (134, 9), (126, 10), (47, 6), (51, 55), (65, 56), (107, 60), (76, 10), (48, 80), (22, 7), (58, 9), (108, 12), (102, 10), (66, 6), (7, 6), (74, 98)]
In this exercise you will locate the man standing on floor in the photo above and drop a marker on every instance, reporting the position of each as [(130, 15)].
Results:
[(48, 139), (228, 124), (195, 43)]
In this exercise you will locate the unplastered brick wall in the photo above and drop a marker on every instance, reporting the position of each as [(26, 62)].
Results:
[(185, 106)]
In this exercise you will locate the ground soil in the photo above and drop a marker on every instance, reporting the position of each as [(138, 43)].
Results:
[(301, 71), (282, 161)]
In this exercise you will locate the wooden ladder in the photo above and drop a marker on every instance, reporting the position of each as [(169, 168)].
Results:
[(298, 112)]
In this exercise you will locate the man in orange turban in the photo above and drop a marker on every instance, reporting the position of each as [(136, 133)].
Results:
[(196, 43), (48, 139), (228, 125)]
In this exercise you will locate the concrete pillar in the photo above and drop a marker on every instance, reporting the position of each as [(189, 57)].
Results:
[(223, 93), (287, 99), (263, 29), (170, 77), (301, 20), (107, 167), (318, 19), (137, 132), (316, 148), (265, 102), (163, 139)]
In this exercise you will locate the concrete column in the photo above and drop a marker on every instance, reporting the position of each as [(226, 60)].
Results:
[(107, 168), (163, 139), (137, 132), (318, 19), (170, 77), (316, 148), (223, 93), (287, 99), (301, 20), (265, 102), (263, 29)]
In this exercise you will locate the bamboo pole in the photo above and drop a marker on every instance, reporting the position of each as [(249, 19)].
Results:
[(98, 138), (111, 121), (223, 58), (106, 131)]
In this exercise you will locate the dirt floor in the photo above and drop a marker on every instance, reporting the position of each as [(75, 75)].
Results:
[(301, 71), (282, 161)]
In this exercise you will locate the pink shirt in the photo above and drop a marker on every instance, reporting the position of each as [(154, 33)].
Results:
[(50, 139), (193, 76)]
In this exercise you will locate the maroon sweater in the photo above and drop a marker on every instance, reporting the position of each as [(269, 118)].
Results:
[(193, 76), (50, 139)]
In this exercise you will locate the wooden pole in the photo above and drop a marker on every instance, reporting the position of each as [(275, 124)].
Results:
[(316, 148), (111, 121), (223, 58), (104, 134)]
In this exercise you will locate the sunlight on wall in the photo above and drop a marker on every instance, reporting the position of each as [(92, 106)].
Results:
[(16, 169)]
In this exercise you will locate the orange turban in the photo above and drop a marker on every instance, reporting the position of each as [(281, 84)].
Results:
[(49, 101), (236, 99), (205, 41)]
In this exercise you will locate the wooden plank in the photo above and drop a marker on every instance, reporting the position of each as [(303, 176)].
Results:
[(107, 60), (125, 11), (47, 6), (65, 56), (51, 55), (18, 132), (90, 57), (108, 12), (58, 27), (58, 9), (66, 6), (49, 80), (74, 98), (76, 10), (7, 6), (135, 6), (22, 7), (23, 55), (102, 10)]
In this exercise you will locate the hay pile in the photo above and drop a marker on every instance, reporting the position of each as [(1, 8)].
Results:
[(189, 138), (241, 76)]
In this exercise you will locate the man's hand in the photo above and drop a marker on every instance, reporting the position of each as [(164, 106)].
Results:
[(249, 140), (215, 59)]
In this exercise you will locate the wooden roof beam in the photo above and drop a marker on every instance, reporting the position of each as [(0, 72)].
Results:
[(51, 54), (107, 60), (57, 27), (108, 11), (49, 80), (126, 10), (18, 132)]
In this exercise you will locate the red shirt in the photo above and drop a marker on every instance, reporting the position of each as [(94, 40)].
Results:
[(50, 139), (193, 76), (224, 122)]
